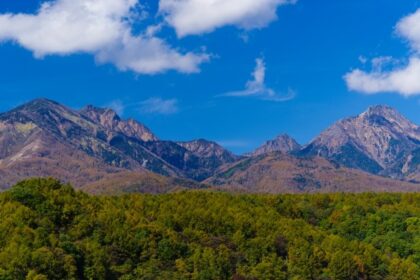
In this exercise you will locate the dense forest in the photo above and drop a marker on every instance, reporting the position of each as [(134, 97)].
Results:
[(50, 231)]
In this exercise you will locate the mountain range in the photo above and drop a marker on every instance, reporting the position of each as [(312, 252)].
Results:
[(96, 150)]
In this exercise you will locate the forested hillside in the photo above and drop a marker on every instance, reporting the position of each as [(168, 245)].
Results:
[(50, 231)]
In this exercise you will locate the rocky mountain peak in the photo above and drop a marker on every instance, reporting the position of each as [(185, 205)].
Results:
[(386, 116), (47, 115), (205, 148), (101, 115), (38, 106), (41, 102), (282, 143), (381, 110), (375, 141), (109, 119)]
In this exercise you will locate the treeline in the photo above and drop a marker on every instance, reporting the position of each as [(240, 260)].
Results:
[(51, 231)]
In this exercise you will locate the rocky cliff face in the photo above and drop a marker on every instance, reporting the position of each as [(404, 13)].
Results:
[(379, 141), (283, 143)]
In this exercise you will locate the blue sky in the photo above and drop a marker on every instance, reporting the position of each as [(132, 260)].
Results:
[(204, 80)]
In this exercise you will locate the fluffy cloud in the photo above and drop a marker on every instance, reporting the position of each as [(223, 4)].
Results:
[(102, 28), (409, 28), (190, 17), (158, 105), (399, 79), (145, 54), (256, 87), (404, 80)]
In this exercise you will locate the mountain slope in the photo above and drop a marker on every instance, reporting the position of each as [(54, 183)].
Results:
[(139, 182), (43, 156), (283, 143), (378, 141), (279, 173)]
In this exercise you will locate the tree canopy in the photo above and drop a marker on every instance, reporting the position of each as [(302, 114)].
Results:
[(50, 231)]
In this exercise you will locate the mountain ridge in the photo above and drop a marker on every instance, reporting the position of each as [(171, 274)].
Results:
[(99, 137), (92, 147), (278, 172)]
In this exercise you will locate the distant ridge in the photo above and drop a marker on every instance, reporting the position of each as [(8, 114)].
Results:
[(282, 173)]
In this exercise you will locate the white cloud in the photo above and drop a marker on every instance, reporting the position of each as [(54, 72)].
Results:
[(381, 62), (405, 81), (399, 79), (191, 17), (257, 87), (409, 28), (149, 55), (102, 28), (158, 105)]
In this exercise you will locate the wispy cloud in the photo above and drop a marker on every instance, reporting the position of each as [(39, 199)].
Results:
[(256, 87), (157, 105), (117, 105), (234, 143), (389, 74)]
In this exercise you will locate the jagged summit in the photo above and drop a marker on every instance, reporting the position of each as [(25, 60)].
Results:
[(381, 110), (381, 114), (97, 112), (37, 105), (109, 119), (42, 102), (282, 143), (205, 148)]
